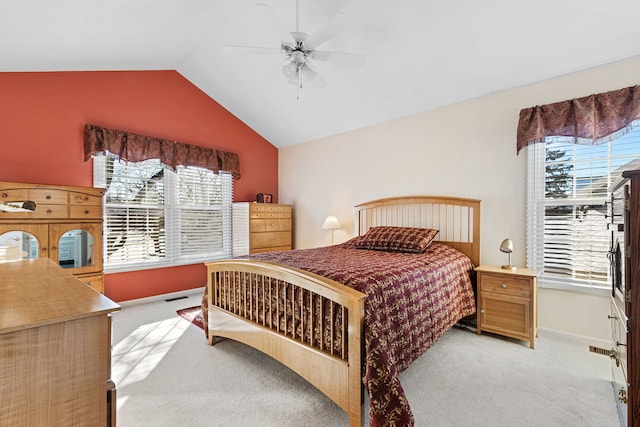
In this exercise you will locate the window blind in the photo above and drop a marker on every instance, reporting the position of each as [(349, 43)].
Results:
[(156, 217), (567, 236)]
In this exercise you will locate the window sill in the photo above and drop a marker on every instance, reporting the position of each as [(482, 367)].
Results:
[(141, 266), (564, 286)]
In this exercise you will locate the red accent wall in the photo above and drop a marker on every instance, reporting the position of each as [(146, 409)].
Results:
[(42, 117)]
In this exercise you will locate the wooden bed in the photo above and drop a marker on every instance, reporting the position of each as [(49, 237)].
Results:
[(234, 308)]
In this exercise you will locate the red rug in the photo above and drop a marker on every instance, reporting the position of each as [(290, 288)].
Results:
[(193, 315)]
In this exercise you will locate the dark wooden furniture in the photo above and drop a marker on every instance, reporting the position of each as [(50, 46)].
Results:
[(625, 298)]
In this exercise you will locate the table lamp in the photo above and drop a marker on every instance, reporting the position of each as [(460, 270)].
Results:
[(507, 248), (331, 223)]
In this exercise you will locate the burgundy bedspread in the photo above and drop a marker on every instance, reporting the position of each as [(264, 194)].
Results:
[(411, 301)]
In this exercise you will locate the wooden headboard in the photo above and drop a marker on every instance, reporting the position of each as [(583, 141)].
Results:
[(458, 219)]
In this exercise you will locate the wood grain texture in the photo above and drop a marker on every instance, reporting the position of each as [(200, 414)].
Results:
[(55, 348), (270, 227), (58, 209), (508, 302)]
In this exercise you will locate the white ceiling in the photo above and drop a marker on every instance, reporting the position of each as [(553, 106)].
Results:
[(421, 54)]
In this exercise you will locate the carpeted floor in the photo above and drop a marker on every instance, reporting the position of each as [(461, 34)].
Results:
[(167, 375)]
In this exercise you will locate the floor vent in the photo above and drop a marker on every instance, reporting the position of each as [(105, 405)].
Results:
[(176, 298)]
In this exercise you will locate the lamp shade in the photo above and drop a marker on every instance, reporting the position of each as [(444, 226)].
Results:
[(331, 223), (506, 246)]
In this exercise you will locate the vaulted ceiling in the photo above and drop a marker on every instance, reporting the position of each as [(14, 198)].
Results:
[(420, 54)]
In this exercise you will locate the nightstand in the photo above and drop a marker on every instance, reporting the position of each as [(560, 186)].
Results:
[(508, 302)]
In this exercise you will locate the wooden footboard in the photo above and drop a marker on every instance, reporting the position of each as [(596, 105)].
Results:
[(311, 324)]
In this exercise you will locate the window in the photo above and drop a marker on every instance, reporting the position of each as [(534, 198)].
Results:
[(157, 217), (567, 236)]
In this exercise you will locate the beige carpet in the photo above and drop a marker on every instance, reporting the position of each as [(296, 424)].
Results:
[(167, 376)]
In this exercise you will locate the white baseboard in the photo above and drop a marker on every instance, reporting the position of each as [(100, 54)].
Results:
[(179, 294), (592, 340)]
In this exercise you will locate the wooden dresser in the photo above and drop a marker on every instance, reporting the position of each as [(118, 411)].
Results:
[(64, 224), (55, 348), (261, 227)]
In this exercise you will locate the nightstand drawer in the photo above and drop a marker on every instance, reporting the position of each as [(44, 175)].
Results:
[(505, 285)]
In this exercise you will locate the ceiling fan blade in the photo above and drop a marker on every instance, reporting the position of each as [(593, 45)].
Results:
[(298, 36), (243, 50), (342, 58), (335, 26)]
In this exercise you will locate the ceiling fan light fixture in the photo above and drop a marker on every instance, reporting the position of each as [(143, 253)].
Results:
[(290, 71), (308, 75), (299, 51)]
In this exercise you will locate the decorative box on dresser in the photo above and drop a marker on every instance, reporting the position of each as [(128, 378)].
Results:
[(63, 223), (625, 299), (508, 302), (55, 348), (261, 227)]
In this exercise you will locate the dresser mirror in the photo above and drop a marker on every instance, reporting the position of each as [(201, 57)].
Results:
[(18, 245), (75, 249)]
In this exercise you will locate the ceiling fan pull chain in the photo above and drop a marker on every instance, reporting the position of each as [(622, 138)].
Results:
[(299, 85)]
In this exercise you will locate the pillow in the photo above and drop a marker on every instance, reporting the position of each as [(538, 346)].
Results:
[(397, 239)]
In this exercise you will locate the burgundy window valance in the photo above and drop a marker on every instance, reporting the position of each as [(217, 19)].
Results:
[(136, 148), (590, 120)]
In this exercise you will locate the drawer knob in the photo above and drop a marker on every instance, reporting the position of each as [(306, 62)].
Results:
[(503, 286), (611, 317)]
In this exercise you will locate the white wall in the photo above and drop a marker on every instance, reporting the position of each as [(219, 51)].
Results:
[(466, 149)]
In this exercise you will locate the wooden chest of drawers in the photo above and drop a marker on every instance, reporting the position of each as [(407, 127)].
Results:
[(269, 227), (261, 227), (508, 302)]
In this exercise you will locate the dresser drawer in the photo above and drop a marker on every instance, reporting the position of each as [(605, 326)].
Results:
[(505, 285), (257, 225), (14, 195), (50, 211), (273, 224), (84, 199), (45, 195), (85, 211), (267, 240), (284, 212), (263, 208), (284, 224), (263, 225), (263, 215)]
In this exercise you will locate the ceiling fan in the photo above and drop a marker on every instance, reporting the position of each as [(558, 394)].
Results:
[(299, 51)]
